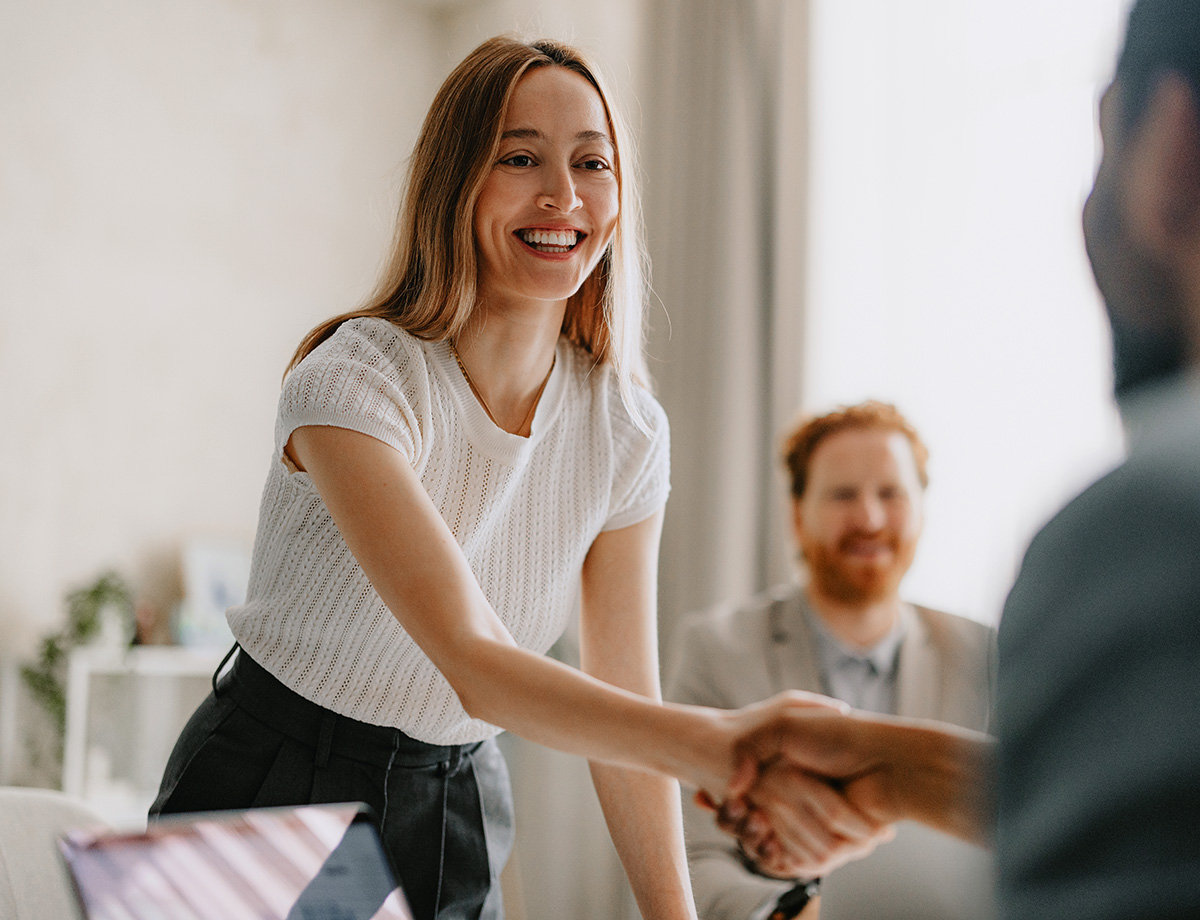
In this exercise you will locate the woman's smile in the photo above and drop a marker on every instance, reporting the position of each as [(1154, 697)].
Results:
[(550, 241)]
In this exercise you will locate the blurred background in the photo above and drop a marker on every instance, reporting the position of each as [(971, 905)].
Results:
[(845, 199)]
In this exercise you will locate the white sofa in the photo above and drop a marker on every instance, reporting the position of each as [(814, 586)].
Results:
[(34, 882)]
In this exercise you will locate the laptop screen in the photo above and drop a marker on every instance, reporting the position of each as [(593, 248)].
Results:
[(311, 862)]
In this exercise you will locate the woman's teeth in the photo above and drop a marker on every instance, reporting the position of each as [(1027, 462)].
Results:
[(550, 240)]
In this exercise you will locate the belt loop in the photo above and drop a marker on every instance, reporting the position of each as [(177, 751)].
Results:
[(325, 739), (453, 763), (221, 667)]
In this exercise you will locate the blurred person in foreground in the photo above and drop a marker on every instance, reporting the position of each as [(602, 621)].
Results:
[(857, 478), (1097, 804)]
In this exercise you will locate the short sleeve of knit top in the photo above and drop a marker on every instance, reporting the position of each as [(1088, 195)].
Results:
[(524, 510)]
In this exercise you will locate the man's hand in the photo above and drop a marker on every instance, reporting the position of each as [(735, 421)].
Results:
[(888, 769), (789, 819), (794, 825)]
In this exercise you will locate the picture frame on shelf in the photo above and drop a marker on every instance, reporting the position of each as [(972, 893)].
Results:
[(215, 578)]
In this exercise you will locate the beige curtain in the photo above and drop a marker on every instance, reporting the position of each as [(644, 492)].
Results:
[(724, 166)]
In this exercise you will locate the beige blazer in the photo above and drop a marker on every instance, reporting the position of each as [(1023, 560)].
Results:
[(729, 657)]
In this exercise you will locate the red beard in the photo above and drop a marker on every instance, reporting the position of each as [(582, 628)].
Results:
[(837, 574)]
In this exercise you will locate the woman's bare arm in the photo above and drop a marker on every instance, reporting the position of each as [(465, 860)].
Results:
[(619, 645), (414, 563)]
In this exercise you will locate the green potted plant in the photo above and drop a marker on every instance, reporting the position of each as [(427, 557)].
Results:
[(102, 610)]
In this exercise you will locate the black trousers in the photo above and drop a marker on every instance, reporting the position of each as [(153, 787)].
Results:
[(445, 812)]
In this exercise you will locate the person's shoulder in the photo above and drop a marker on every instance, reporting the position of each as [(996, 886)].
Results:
[(1121, 553), (369, 376), (639, 425), (717, 654), (967, 651), (733, 626), (1157, 485), (363, 337), (955, 626), (1147, 496), (648, 408), (365, 352), (639, 416), (1169, 467)]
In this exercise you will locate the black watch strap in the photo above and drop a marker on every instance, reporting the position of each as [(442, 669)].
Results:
[(794, 900)]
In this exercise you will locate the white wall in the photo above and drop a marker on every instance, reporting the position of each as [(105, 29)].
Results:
[(186, 188), (610, 32)]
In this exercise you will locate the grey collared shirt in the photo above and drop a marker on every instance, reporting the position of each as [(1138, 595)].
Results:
[(864, 678)]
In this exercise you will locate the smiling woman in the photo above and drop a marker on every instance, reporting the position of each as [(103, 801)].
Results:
[(456, 464), (544, 218)]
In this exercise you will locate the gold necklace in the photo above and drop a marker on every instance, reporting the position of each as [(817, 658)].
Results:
[(483, 402)]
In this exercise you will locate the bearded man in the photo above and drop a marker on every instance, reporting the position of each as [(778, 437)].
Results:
[(858, 477)]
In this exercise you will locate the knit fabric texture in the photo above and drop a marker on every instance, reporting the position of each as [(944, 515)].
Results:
[(524, 510)]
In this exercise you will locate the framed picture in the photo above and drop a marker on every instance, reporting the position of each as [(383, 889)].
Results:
[(215, 576)]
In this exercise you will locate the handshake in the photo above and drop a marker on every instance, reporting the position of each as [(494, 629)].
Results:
[(816, 785)]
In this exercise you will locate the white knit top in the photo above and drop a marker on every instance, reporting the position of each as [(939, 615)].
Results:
[(524, 510)]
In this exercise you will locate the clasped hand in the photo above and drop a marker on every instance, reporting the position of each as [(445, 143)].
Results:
[(802, 801)]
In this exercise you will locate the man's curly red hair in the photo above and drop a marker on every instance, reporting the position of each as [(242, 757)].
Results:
[(800, 443)]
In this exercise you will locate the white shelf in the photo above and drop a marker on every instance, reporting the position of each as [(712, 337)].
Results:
[(125, 709), (155, 660)]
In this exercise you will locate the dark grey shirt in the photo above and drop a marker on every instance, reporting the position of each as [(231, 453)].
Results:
[(1099, 690)]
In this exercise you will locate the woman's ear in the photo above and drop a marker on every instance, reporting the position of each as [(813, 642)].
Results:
[(1162, 172)]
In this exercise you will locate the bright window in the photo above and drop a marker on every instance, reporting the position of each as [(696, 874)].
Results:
[(953, 143)]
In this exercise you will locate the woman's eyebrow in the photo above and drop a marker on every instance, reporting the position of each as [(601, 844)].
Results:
[(594, 136), (535, 134)]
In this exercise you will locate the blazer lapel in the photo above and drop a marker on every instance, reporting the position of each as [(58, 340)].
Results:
[(919, 677), (792, 648)]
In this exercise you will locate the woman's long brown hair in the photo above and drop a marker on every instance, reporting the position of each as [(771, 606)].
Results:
[(429, 284)]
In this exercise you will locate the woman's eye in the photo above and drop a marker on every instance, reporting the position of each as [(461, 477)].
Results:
[(593, 163), (518, 160)]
